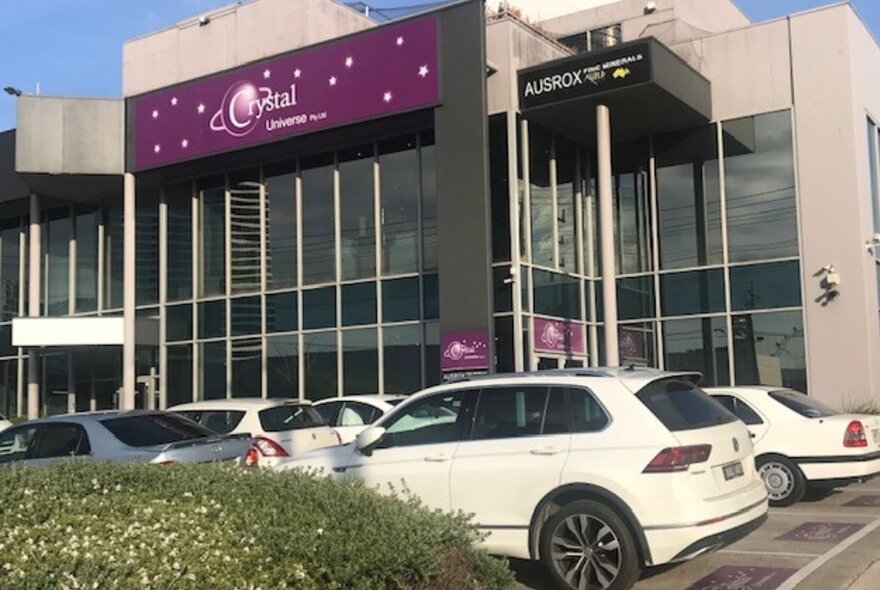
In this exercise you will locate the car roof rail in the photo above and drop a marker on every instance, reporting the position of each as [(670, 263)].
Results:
[(569, 372)]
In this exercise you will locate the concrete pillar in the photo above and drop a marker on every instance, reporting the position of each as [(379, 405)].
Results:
[(34, 289), (127, 400), (606, 234)]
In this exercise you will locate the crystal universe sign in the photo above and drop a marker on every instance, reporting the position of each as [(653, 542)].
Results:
[(558, 337), (388, 70), (464, 351)]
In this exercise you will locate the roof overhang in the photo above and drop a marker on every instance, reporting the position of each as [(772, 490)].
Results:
[(647, 87), (66, 332)]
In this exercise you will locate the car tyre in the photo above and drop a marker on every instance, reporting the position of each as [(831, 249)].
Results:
[(587, 541), (785, 482)]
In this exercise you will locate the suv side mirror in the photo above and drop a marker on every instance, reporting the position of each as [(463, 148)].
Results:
[(367, 440)]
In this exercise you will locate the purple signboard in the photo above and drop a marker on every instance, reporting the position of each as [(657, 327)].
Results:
[(388, 70), (464, 351), (558, 337)]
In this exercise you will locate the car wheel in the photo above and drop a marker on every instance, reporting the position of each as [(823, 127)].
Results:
[(785, 483), (586, 546)]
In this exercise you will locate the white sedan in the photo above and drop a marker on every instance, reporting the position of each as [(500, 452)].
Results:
[(350, 414), (280, 428), (800, 442), (4, 423)]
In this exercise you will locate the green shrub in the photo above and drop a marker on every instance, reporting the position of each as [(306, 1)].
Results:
[(82, 525)]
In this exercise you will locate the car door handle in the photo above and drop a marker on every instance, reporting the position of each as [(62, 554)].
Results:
[(545, 451), (437, 458)]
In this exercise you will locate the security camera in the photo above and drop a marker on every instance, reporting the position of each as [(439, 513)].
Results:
[(203, 20), (650, 7), (828, 268)]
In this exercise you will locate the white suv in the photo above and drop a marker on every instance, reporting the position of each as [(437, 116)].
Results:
[(596, 472)]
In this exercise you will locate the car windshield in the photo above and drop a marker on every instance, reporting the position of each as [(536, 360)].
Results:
[(290, 417), (147, 430), (802, 404), (681, 405)]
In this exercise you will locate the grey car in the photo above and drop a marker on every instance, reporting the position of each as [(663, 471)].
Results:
[(121, 437)]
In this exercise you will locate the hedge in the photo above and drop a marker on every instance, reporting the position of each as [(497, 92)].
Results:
[(84, 525)]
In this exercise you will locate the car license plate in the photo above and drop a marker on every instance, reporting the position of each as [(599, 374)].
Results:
[(876, 433), (733, 470)]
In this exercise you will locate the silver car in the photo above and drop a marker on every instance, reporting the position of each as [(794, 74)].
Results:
[(120, 437)]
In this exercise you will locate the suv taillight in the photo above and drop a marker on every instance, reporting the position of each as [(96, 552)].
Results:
[(678, 458), (268, 447), (855, 435), (252, 457)]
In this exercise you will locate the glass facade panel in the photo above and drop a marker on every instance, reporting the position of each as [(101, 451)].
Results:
[(557, 295), (632, 209), (247, 368), (541, 196), (359, 304), (688, 198), (319, 308), (319, 357), (760, 188), (212, 319), (765, 286), (357, 213), (400, 300), (769, 349), (635, 298), (146, 247), (432, 354), (282, 366), (499, 187), (213, 245), (501, 279), (429, 202), (637, 343), (403, 359), (566, 209), (698, 344), (874, 171), (360, 362), (8, 387), (86, 228), (246, 316), (431, 297), (179, 374), (178, 322), (690, 293), (281, 226), (281, 312), (10, 252), (59, 232), (178, 199), (244, 231), (400, 187), (213, 370), (6, 348), (318, 233)]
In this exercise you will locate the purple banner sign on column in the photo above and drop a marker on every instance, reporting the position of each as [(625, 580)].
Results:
[(464, 351), (388, 70), (558, 337)]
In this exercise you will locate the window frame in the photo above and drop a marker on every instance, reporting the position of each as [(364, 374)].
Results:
[(466, 415)]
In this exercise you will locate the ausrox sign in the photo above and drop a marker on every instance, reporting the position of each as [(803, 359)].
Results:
[(584, 75)]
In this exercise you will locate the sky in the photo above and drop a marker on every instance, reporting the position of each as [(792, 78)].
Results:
[(74, 47)]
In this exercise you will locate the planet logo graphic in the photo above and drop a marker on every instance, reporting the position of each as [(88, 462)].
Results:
[(552, 336), (457, 350), (237, 115)]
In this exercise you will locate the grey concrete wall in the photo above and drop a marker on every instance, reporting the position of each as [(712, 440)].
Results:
[(235, 35), (834, 72), (12, 186), (69, 135)]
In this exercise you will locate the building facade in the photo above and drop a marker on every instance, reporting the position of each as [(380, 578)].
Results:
[(292, 199)]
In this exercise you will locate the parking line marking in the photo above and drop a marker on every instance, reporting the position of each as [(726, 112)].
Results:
[(780, 554), (842, 514), (814, 565)]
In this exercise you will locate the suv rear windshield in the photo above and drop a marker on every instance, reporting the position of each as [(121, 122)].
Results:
[(147, 430), (802, 404), (290, 417), (680, 405)]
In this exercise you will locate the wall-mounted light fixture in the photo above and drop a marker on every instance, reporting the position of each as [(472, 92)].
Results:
[(204, 19), (12, 91)]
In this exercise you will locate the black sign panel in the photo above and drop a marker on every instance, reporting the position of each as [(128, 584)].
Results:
[(585, 75)]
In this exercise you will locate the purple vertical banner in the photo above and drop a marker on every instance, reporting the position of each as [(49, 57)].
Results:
[(391, 69), (558, 337), (464, 351)]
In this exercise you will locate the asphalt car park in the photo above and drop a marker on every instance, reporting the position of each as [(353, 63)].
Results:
[(821, 543)]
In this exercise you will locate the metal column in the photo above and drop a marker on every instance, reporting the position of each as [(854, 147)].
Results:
[(127, 401), (35, 245), (606, 234)]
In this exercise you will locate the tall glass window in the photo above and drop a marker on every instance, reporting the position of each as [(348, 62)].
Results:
[(499, 186), (318, 224), (760, 187), (688, 293), (247, 368), (9, 268), (245, 316), (359, 304), (319, 357), (357, 213), (429, 202), (281, 226), (541, 196), (874, 170), (698, 344), (146, 247), (360, 362), (213, 370), (178, 198), (635, 298), (244, 231), (281, 312), (557, 295), (399, 190), (769, 349), (8, 387), (86, 228), (282, 366), (58, 228), (179, 374), (403, 359), (566, 155), (213, 243), (212, 319), (688, 198), (632, 208), (765, 286)]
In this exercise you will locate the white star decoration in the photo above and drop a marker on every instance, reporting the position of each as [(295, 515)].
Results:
[(200, 108), (157, 148), (297, 73), (155, 114), (332, 80), (349, 62), (399, 41), (267, 74), (387, 97), (423, 71), (174, 101), (184, 144)]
